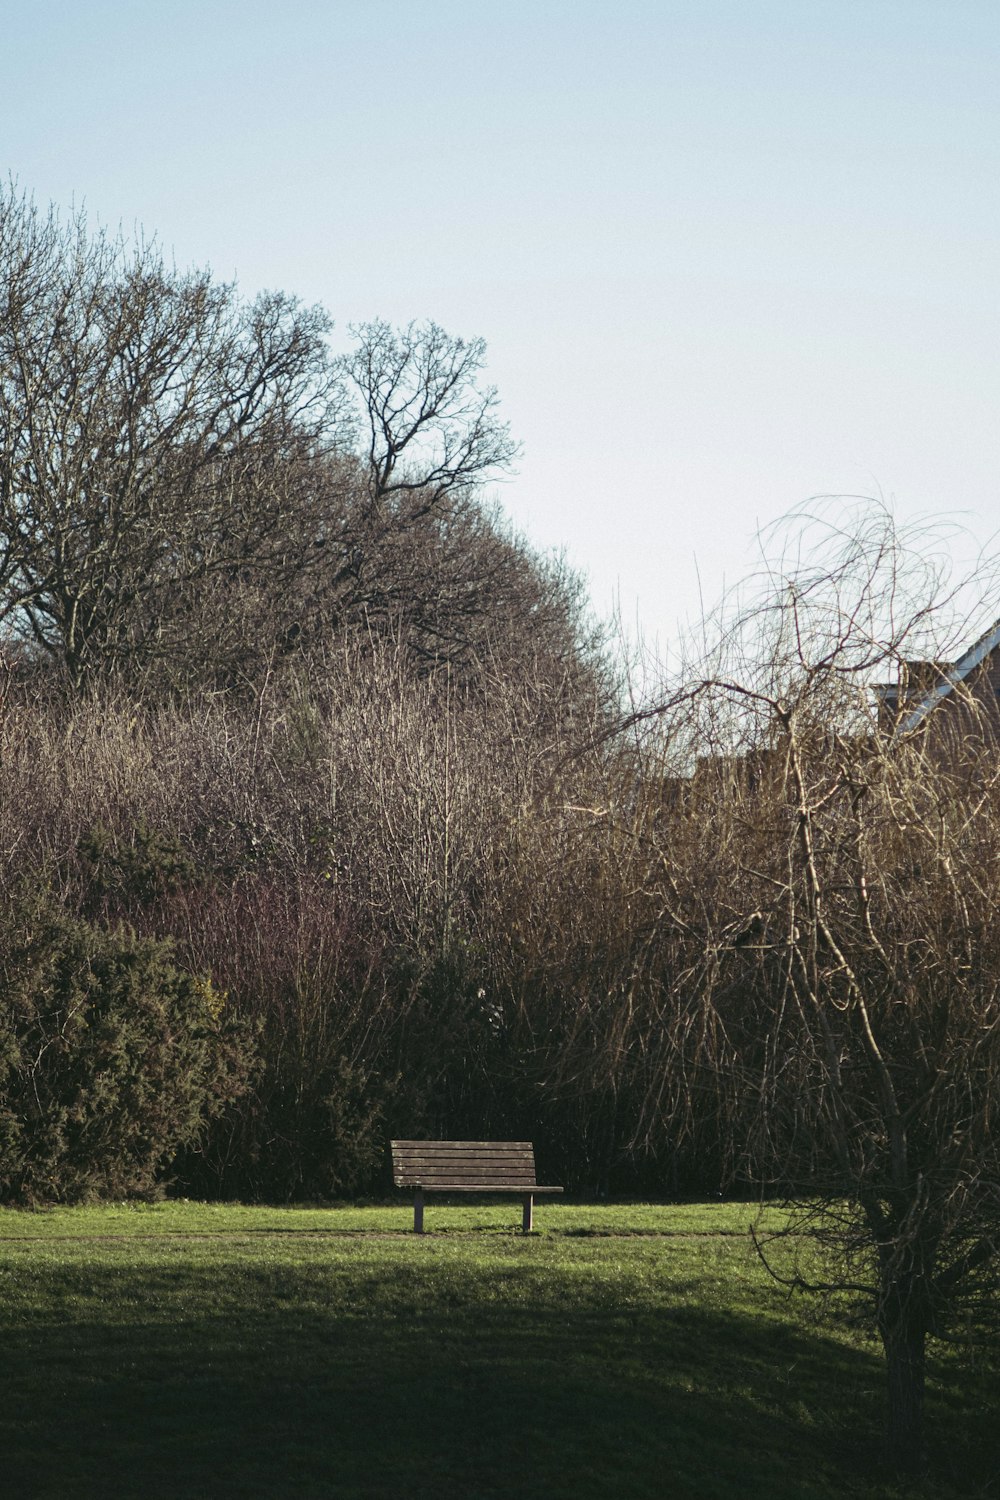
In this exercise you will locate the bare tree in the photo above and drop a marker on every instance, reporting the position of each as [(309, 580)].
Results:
[(432, 428), (826, 897), (149, 423), (181, 500)]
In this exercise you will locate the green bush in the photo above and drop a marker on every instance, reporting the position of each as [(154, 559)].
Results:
[(111, 1058)]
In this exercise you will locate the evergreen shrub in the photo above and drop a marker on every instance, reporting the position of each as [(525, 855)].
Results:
[(111, 1058)]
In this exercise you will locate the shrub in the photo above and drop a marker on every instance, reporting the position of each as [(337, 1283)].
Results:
[(111, 1058)]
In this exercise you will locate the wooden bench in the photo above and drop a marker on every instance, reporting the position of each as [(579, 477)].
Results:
[(467, 1167)]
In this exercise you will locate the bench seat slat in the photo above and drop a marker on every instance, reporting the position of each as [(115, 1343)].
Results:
[(502, 1179), (417, 1175), (473, 1179), (464, 1145), (481, 1187), (493, 1163), (469, 1169), (513, 1158), (469, 1153), (422, 1169)]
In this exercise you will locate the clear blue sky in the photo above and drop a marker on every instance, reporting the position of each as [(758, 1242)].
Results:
[(725, 255)]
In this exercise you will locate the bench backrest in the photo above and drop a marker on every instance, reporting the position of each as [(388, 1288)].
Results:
[(440, 1164)]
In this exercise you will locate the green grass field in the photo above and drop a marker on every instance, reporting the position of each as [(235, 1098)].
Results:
[(200, 1351)]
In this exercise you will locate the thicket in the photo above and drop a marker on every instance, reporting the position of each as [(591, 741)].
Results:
[(359, 877)]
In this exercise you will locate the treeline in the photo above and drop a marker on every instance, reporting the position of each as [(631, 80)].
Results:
[(385, 888)]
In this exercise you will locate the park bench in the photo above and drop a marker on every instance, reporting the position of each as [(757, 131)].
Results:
[(467, 1167)]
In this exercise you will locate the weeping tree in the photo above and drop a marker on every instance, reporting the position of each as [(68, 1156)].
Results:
[(816, 967)]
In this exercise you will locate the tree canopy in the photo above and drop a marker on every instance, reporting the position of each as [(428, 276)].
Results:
[(193, 487)]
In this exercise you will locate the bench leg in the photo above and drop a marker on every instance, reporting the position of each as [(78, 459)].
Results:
[(526, 1217), (418, 1212)]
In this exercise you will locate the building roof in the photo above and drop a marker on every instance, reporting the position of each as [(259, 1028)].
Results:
[(951, 677)]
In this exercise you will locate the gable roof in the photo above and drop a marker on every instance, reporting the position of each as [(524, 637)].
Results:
[(952, 677)]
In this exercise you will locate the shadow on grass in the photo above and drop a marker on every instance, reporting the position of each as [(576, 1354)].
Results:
[(418, 1380)]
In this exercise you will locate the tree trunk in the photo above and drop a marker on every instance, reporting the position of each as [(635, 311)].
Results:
[(904, 1339)]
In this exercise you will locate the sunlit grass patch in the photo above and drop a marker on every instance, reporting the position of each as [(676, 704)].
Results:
[(443, 1216)]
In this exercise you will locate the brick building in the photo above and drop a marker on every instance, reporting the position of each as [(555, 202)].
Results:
[(963, 696)]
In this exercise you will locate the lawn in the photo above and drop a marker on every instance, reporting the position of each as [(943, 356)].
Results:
[(202, 1351)]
